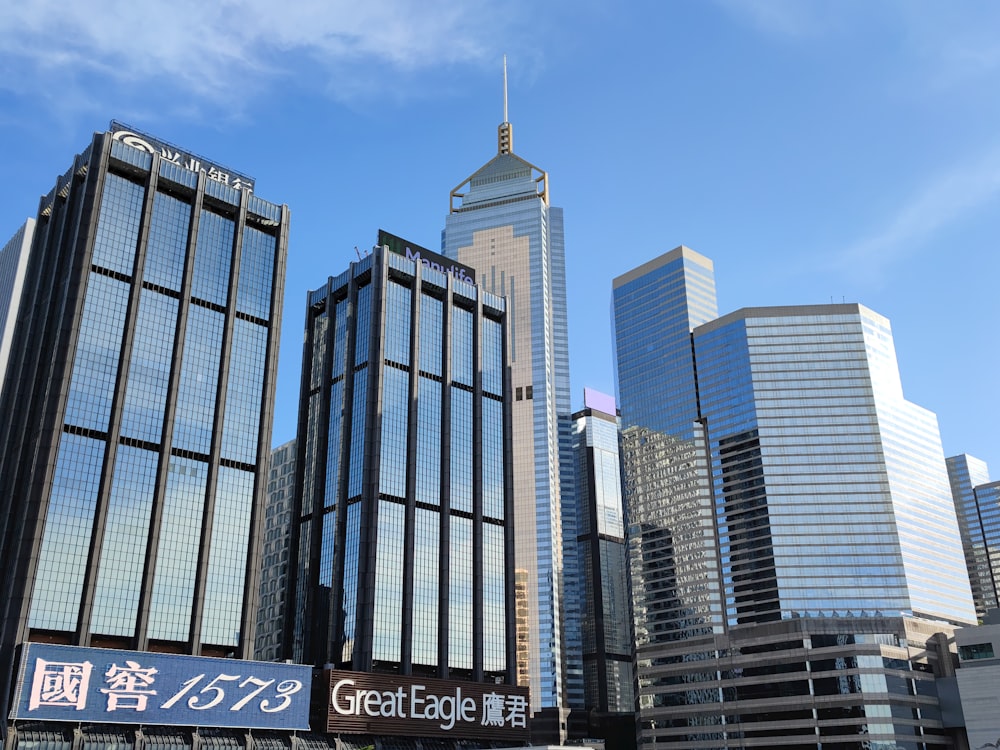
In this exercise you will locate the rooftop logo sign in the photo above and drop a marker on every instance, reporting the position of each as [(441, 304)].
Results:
[(425, 257), (170, 153), (363, 703)]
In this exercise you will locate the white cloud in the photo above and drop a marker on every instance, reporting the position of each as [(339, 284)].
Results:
[(789, 18), (209, 47), (940, 201)]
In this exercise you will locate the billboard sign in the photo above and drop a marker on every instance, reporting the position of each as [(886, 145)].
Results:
[(425, 257), (381, 704), (170, 153), (70, 683)]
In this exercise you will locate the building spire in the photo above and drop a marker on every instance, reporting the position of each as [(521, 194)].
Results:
[(505, 133)]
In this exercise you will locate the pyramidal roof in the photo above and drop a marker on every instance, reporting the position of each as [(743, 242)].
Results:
[(504, 177)]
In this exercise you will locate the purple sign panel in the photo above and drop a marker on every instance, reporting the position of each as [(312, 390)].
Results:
[(69, 683)]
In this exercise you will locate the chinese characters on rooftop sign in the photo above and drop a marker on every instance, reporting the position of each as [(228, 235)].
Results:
[(69, 683), (169, 153), (362, 703)]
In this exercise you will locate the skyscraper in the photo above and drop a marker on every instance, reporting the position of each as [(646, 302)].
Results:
[(501, 224), (979, 522), (138, 418), (606, 616), (784, 498), (402, 533)]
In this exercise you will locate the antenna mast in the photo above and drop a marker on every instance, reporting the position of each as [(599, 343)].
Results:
[(505, 88), (505, 133)]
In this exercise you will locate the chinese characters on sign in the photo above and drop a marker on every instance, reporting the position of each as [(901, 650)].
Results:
[(152, 146), (83, 684), (397, 705)]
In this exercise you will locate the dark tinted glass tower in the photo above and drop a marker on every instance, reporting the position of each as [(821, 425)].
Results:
[(606, 623), (403, 537), (979, 523), (137, 422)]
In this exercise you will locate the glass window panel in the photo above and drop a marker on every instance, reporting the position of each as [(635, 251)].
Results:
[(395, 410), (461, 450), (351, 552), (493, 459), (363, 325), (149, 367), (213, 258), (334, 443), (493, 366), (339, 339), (177, 554), (388, 582), (244, 392), (494, 600), (198, 389), (227, 557), (431, 334), (460, 594), (118, 224), (123, 552), (426, 577), (253, 295), (428, 465), (357, 448), (65, 547), (461, 346), (397, 323), (98, 350), (167, 245)]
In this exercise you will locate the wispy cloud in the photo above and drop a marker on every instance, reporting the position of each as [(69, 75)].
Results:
[(211, 48), (941, 200), (788, 18)]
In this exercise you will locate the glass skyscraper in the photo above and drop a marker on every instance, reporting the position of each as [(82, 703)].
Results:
[(606, 617), (979, 521), (138, 415), (501, 224), (784, 498), (402, 538)]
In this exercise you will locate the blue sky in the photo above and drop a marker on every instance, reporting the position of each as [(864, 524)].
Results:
[(833, 150)]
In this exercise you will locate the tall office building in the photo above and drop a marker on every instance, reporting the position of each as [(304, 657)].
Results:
[(402, 533), (137, 423), (977, 515), (275, 558), (502, 225), (13, 262), (784, 499), (606, 620)]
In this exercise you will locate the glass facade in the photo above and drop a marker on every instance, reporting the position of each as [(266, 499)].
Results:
[(501, 224), (988, 500), (977, 510), (775, 476), (274, 562), (141, 403), (672, 545), (426, 392), (606, 625)]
